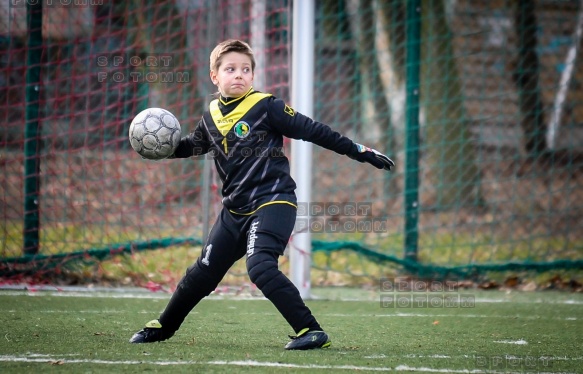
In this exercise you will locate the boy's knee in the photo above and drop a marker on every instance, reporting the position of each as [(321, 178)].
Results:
[(262, 268), (199, 277)]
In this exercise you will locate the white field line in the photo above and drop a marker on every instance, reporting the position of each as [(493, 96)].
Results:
[(341, 315), (379, 356), (476, 357), (573, 302), (428, 315), (121, 295), (472, 371), (477, 300), (165, 296), (536, 301), (517, 342), (58, 360), (142, 293)]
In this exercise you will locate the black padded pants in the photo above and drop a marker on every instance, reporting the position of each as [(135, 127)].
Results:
[(262, 236)]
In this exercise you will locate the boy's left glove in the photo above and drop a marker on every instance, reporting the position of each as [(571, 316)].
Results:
[(372, 156)]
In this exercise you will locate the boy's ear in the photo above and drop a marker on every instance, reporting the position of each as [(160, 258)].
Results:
[(213, 76)]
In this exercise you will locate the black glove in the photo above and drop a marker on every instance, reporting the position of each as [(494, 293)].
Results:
[(361, 153)]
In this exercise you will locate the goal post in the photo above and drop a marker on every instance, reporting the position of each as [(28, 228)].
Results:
[(302, 85)]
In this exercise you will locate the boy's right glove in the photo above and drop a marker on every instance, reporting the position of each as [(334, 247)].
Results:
[(361, 153)]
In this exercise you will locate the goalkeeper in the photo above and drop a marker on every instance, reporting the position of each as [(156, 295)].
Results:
[(243, 130)]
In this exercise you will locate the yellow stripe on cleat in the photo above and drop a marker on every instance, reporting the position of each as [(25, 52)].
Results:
[(327, 344), (303, 331), (154, 324)]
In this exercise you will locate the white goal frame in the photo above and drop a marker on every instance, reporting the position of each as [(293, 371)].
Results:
[(302, 99)]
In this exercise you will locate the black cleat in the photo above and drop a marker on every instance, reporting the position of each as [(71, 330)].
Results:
[(309, 340), (153, 332)]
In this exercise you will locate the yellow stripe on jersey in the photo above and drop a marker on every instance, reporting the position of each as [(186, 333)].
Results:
[(225, 123), (262, 205)]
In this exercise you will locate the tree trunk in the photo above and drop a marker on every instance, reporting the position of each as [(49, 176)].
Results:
[(374, 108), (527, 80), (367, 28), (448, 149), (390, 39)]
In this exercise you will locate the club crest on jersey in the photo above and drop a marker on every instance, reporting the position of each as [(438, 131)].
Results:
[(241, 129)]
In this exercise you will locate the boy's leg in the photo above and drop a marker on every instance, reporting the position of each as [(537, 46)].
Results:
[(222, 250), (269, 232)]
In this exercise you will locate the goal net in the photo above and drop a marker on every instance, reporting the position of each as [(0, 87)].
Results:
[(500, 137)]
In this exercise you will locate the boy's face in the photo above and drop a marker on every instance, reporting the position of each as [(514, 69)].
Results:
[(234, 76)]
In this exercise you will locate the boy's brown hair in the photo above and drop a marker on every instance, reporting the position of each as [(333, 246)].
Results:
[(231, 45)]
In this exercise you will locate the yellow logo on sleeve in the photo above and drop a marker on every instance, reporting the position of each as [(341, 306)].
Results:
[(289, 110)]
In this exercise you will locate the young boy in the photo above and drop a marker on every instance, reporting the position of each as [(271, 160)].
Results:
[(243, 130)]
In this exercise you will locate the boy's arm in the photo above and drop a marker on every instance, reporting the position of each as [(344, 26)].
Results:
[(298, 126), (295, 125), (193, 144)]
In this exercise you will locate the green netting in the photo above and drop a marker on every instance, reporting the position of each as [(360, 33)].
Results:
[(31, 265), (500, 132)]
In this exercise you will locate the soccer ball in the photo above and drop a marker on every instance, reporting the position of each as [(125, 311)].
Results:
[(154, 133)]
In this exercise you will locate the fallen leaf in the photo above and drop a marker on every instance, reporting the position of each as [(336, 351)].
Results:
[(488, 285), (512, 281)]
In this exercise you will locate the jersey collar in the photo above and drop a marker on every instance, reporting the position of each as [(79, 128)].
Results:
[(230, 100)]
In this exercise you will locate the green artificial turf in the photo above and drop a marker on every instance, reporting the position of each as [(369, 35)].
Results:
[(88, 332)]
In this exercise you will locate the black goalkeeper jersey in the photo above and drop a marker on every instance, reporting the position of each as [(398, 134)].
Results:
[(245, 138)]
